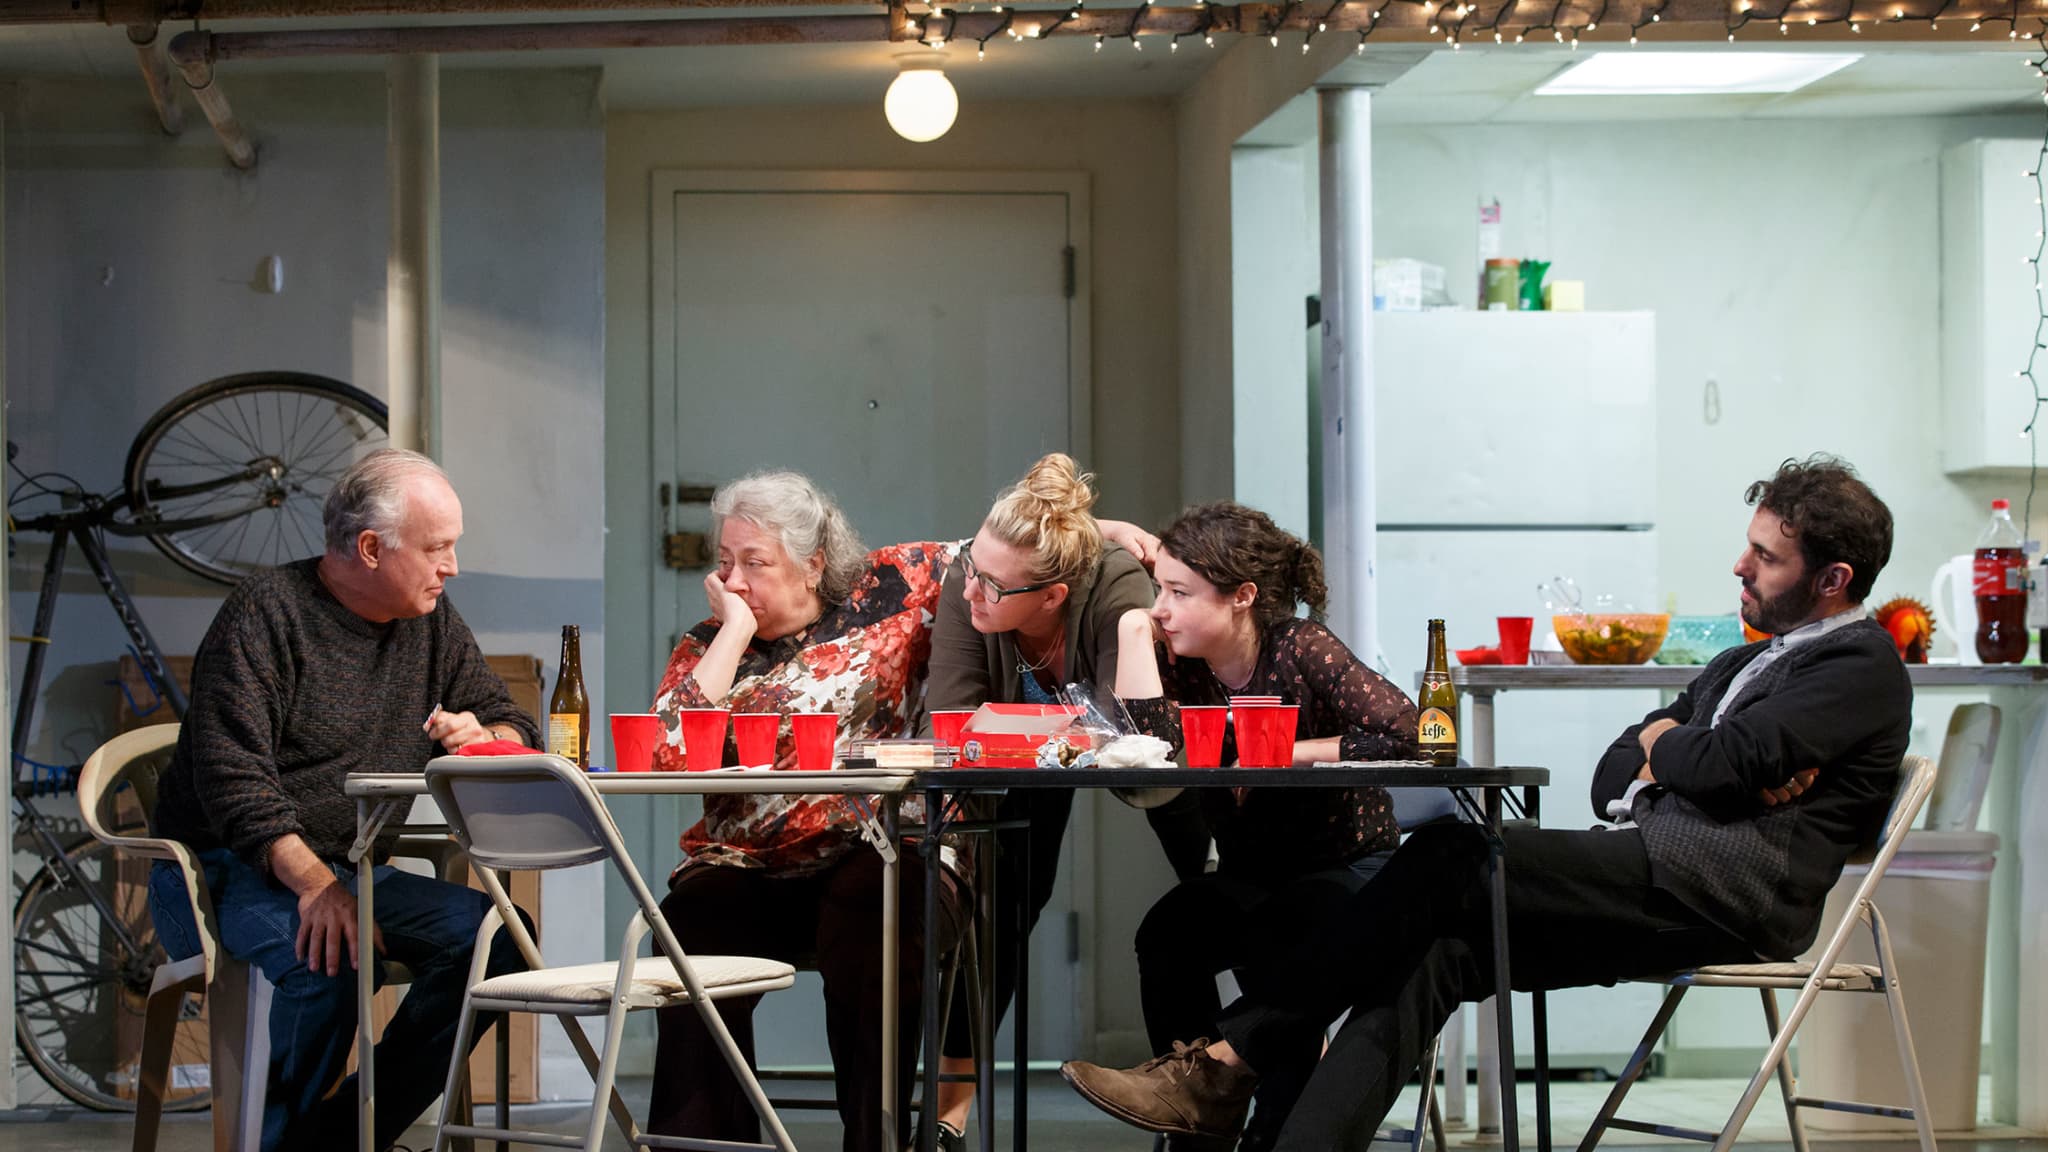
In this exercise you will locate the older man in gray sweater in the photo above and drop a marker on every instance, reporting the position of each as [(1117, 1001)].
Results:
[(1733, 812), (351, 662)]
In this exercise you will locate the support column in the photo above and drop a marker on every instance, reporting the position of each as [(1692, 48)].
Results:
[(1349, 518), (412, 299)]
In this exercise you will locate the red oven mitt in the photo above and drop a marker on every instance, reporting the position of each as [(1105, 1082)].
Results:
[(497, 748)]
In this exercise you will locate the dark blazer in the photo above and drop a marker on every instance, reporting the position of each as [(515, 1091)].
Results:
[(1840, 703)]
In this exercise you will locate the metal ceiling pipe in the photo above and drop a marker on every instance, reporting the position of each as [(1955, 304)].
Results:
[(458, 38), (113, 12), (156, 75), (197, 67), (412, 280)]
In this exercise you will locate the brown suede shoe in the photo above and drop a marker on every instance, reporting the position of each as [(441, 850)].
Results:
[(1186, 1092)]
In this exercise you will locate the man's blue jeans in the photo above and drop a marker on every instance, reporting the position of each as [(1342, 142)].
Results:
[(428, 925)]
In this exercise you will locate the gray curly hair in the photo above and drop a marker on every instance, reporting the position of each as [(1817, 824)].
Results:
[(370, 497), (804, 518)]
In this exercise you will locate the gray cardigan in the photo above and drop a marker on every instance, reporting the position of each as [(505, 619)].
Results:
[(1840, 703)]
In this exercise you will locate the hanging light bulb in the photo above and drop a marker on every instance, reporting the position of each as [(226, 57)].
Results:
[(921, 104)]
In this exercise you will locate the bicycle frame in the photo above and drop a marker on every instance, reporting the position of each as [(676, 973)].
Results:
[(62, 529)]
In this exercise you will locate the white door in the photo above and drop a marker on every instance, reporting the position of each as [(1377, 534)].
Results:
[(911, 343)]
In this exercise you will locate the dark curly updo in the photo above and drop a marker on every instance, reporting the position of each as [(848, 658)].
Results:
[(1834, 517), (1228, 544)]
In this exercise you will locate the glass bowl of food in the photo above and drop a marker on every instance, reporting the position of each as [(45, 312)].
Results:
[(1698, 639), (1611, 637)]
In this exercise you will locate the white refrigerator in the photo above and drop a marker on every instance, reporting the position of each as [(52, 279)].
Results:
[(1512, 448)]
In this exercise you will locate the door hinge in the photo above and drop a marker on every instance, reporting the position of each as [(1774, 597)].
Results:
[(1067, 270), (1073, 920)]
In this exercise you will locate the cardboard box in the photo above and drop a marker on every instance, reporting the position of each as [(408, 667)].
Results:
[(1010, 735)]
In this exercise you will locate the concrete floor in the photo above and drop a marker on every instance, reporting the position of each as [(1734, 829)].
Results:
[(1062, 1122)]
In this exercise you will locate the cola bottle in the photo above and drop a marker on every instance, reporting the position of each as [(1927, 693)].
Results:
[(2001, 586)]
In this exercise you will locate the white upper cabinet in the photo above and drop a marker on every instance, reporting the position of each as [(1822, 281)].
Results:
[(1990, 229)]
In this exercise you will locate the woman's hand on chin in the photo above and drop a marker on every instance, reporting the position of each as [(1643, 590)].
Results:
[(730, 611)]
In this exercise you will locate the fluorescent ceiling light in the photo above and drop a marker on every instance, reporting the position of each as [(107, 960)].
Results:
[(1640, 73)]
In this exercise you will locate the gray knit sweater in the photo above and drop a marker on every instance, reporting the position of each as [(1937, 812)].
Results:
[(291, 692)]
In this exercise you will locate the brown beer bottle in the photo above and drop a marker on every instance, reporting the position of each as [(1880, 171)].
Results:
[(1437, 730), (569, 709)]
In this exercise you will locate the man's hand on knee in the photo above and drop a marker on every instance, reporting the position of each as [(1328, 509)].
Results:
[(327, 909), (327, 928)]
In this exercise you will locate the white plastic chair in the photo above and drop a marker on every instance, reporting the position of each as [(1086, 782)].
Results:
[(522, 813), (1824, 974), (1965, 770), (237, 995)]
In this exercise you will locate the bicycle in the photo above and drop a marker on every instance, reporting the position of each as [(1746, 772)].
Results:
[(257, 453)]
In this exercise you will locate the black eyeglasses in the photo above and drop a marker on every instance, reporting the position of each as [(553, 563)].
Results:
[(991, 591)]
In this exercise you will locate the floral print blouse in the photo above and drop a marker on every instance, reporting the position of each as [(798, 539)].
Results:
[(862, 659), (1281, 832)]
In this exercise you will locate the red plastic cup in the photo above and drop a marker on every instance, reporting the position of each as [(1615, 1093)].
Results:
[(815, 733), (1514, 638), (1251, 744), (1280, 737), (947, 726), (1265, 734), (704, 738), (755, 734), (634, 737), (1201, 730)]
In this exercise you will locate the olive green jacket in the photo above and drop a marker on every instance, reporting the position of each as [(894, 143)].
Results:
[(969, 669)]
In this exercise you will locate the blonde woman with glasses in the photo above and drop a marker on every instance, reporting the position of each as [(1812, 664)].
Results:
[(1031, 605)]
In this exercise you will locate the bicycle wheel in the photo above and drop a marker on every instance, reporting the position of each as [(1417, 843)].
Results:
[(79, 993), (230, 477)]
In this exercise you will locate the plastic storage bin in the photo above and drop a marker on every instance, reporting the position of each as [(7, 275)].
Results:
[(1936, 900)]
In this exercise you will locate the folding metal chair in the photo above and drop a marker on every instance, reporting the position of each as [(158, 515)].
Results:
[(1825, 974), (524, 813)]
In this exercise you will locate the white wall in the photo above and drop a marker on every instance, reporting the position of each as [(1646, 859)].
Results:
[(1273, 271), (130, 258)]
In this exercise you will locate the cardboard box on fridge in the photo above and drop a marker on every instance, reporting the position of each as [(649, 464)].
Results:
[(1010, 735)]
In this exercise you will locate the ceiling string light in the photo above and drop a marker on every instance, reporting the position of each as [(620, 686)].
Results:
[(1453, 21)]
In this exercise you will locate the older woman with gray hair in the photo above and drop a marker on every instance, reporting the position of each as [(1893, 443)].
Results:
[(802, 620)]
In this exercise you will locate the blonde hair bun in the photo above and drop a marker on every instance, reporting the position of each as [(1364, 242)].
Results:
[(1048, 514)]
